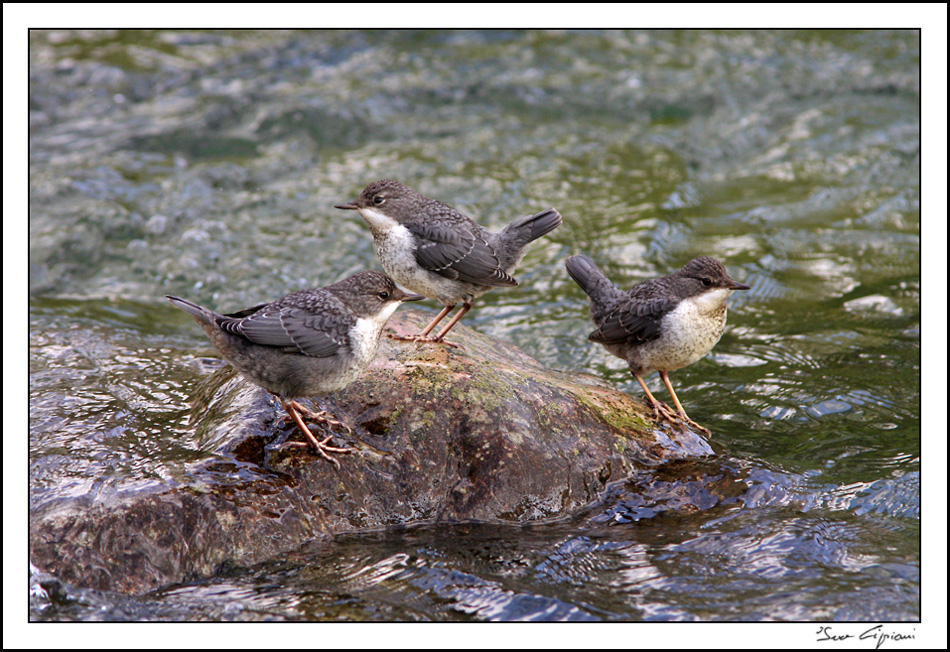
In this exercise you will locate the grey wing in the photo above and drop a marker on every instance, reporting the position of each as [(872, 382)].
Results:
[(292, 329), (632, 321), (459, 253)]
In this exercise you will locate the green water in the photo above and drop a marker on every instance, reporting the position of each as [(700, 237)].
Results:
[(206, 165)]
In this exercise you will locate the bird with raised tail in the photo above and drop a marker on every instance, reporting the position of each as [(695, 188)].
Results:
[(659, 325), (306, 343), (434, 250)]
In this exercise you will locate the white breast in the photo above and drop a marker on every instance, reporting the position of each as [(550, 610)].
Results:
[(364, 335), (689, 332), (396, 247)]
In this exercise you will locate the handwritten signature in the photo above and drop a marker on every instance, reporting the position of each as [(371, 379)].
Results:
[(876, 633)]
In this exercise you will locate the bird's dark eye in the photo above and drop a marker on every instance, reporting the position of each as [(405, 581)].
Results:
[(706, 282), (378, 200), (384, 295)]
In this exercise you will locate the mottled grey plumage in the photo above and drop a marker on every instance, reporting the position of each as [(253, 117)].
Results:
[(434, 250), (662, 324), (306, 343)]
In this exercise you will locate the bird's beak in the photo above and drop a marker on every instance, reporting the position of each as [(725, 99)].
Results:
[(348, 206), (738, 286), (411, 297)]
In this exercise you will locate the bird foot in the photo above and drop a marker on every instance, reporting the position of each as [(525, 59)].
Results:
[(695, 425), (324, 451), (320, 417), (321, 448), (663, 411), (422, 338)]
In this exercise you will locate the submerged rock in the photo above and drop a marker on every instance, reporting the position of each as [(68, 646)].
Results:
[(482, 432)]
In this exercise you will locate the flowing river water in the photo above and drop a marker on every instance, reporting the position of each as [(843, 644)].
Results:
[(206, 164)]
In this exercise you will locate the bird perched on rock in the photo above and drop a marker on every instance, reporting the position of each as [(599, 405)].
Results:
[(306, 343), (434, 250), (662, 324)]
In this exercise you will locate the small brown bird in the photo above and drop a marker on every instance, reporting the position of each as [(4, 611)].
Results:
[(434, 250), (307, 343), (662, 324)]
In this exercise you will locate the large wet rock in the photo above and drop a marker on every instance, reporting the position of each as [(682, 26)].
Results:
[(481, 432)]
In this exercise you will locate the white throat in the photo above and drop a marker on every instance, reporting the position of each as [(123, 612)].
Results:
[(378, 222), (711, 301)]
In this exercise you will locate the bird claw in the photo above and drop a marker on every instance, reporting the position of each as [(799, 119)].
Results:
[(324, 417), (317, 417), (695, 425), (663, 411), (322, 448)]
